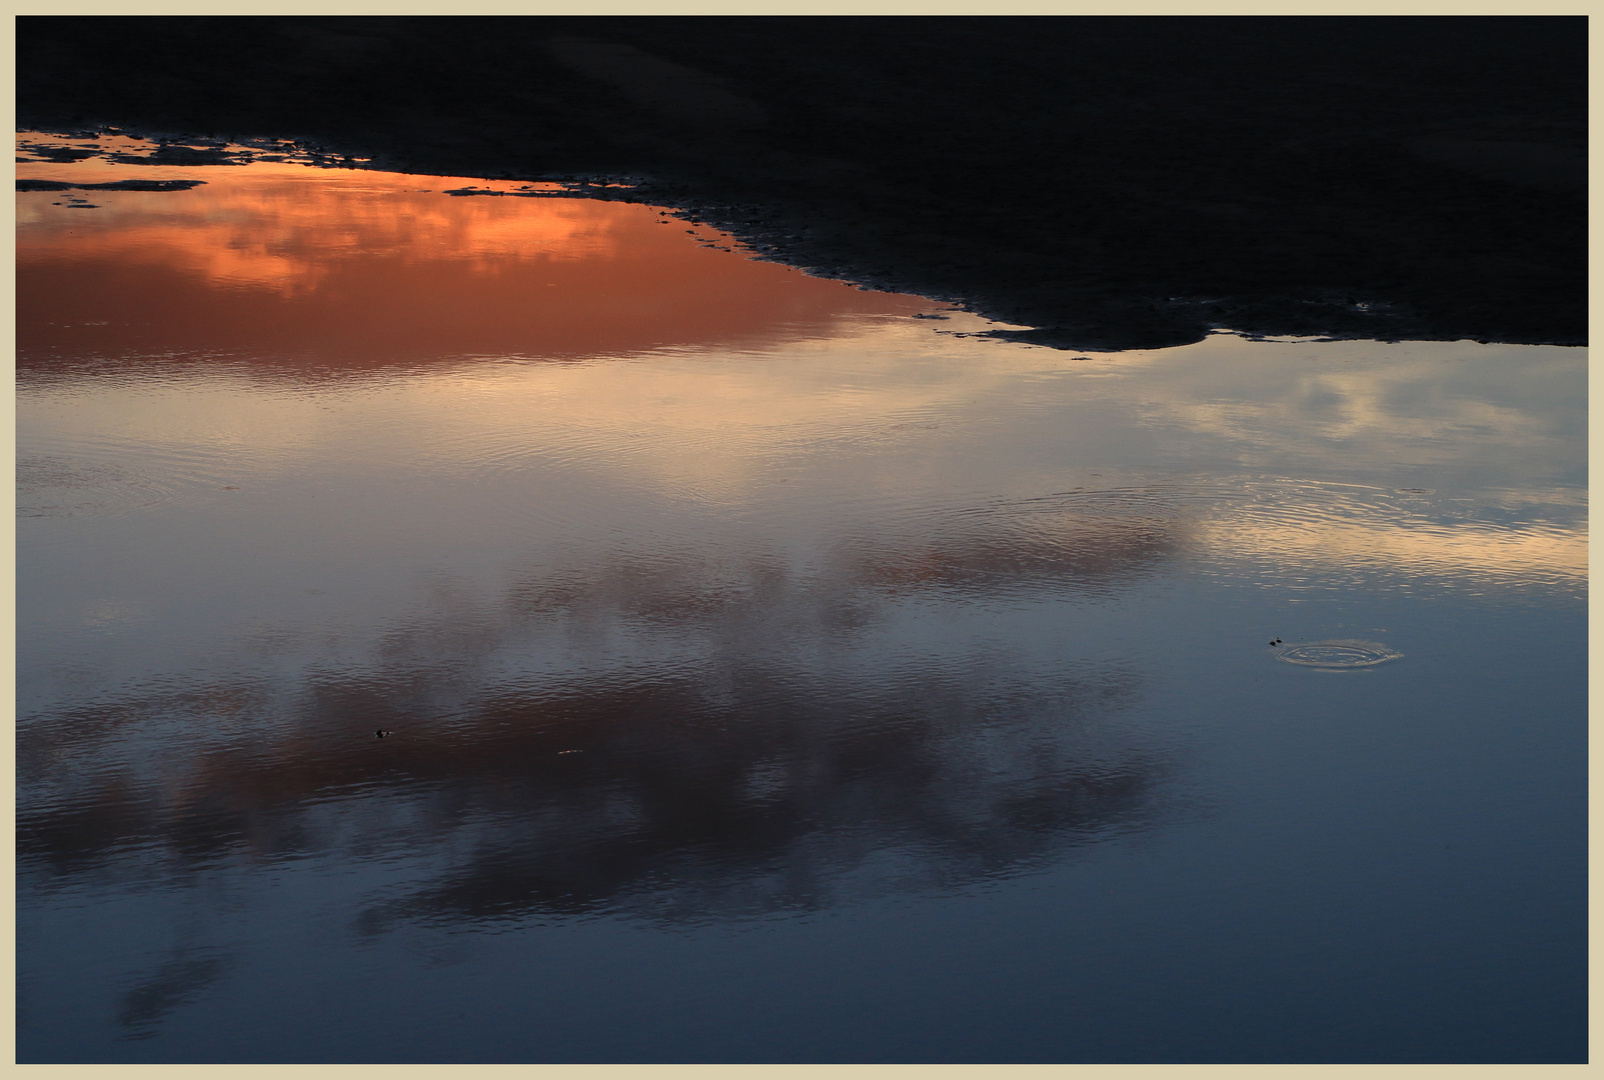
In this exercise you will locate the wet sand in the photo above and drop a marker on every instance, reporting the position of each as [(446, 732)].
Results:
[(1108, 182)]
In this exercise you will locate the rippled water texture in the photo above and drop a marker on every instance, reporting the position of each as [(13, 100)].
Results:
[(1338, 655), (774, 670)]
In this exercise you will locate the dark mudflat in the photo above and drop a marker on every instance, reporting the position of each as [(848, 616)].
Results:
[(1108, 182), (112, 185)]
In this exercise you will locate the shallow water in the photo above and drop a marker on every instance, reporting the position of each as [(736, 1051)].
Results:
[(772, 671)]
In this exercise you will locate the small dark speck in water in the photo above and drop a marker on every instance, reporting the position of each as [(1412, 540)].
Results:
[(381, 733)]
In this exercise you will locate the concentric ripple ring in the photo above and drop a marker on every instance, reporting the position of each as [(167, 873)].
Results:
[(1338, 655)]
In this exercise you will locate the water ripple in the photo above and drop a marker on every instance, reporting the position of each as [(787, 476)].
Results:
[(1338, 655)]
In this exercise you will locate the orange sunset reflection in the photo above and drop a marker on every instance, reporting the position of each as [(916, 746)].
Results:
[(358, 270)]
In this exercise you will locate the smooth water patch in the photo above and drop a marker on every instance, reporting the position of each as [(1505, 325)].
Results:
[(772, 671)]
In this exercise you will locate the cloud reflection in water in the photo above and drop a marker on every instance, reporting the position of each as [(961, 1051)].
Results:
[(751, 598), (743, 781), (340, 273)]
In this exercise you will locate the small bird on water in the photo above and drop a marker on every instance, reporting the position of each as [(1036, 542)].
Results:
[(381, 733), (1277, 641)]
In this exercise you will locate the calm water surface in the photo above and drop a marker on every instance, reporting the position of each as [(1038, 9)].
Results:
[(775, 670)]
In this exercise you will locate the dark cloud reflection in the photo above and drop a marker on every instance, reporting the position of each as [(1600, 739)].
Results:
[(178, 982), (752, 775), (676, 797)]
